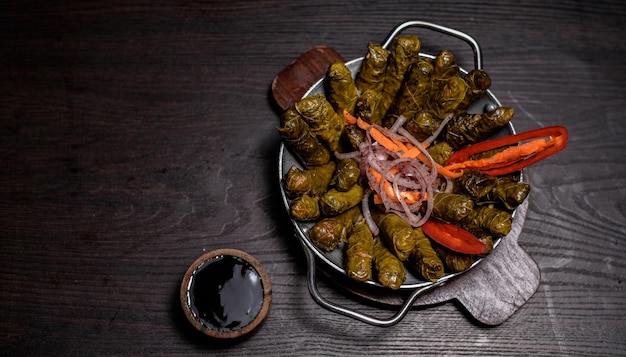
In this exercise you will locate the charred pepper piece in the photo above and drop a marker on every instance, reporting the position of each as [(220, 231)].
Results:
[(543, 143), (453, 237)]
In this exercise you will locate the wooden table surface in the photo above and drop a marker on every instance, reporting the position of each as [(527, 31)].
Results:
[(137, 135)]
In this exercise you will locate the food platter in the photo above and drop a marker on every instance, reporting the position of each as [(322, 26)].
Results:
[(333, 261)]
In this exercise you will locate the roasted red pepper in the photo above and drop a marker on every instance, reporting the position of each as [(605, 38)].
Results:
[(453, 237), (548, 141)]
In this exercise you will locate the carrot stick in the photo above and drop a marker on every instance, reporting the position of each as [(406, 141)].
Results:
[(362, 123), (444, 171), (401, 146), (409, 197), (415, 153), (383, 140), (350, 119)]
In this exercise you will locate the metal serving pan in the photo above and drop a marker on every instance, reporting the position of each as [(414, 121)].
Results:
[(334, 260)]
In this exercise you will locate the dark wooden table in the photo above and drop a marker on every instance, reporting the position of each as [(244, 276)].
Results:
[(137, 135)]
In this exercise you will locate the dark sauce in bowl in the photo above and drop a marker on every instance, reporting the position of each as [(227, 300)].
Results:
[(226, 294)]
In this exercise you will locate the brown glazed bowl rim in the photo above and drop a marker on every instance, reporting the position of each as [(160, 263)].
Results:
[(185, 299)]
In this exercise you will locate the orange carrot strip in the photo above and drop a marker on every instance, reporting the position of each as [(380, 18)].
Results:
[(383, 140), (409, 145), (362, 123), (350, 119), (413, 152), (409, 197), (377, 175), (379, 201), (401, 146), (444, 171), (417, 154)]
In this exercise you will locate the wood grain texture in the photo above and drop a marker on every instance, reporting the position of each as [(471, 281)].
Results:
[(134, 136), (292, 82)]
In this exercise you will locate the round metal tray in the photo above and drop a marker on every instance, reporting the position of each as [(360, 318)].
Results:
[(334, 260)]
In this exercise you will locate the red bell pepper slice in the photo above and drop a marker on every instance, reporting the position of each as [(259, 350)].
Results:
[(453, 237), (557, 133)]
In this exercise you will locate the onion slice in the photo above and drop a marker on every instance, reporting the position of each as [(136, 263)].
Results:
[(408, 177)]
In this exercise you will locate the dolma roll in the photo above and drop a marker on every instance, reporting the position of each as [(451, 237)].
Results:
[(313, 181), (414, 92), (397, 233), (305, 208), (390, 271), (445, 100), (367, 106), (440, 152), (335, 202), (423, 125), (475, 184), (341, 90), (454, 262), (478, 82), (327, 233), (302, 142), (360, 252), (346, 174), (491, 219), (509, 193), (468, 129), (353, 136), (371, 75), (424, 259), (321, 117), (445, 66), (484, 237), (404, 52), (451, 207)]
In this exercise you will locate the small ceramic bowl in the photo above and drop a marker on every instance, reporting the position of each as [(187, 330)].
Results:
[(226, 294)]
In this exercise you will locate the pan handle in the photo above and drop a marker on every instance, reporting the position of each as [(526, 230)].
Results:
[(478, 61), (382, 322)]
